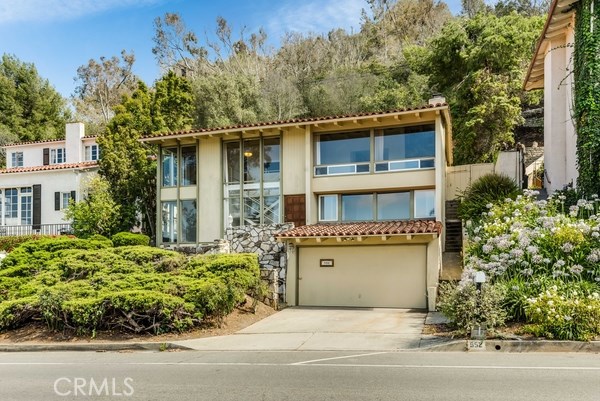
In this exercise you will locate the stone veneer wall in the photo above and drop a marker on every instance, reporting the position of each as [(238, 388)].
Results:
[(271, 253)]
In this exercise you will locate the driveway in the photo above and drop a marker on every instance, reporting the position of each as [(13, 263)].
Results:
[(323, 329)]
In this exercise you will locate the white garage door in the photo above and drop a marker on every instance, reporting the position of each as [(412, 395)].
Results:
[(363, 276)]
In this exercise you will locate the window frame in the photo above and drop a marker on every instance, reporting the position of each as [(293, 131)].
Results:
[(242, 186), (58, 156), (374, 205), (91, 152), (358, 168), (17, 159)]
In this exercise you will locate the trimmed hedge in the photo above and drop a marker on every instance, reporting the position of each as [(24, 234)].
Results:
[(126, 238), (86, 285), (10, 242)]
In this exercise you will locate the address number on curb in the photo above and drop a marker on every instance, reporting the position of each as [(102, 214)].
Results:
[(476, 345)]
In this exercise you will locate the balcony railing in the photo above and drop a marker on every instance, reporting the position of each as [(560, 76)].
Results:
[(42, 229)]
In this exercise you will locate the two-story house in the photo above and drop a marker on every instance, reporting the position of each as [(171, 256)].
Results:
[(551, 69), (365, 193), (41, 178)]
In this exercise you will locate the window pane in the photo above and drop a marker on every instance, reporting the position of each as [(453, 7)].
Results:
[(251, 206), (188, 221), (65, 198), (343, 148), (11, 203), (271, 207), (425, 204), (405, 143), (232, 156), (25, 208), (232, 207), (188, 165), (252, 161), (395, 206), (357, 207), (169, 222), (169, 167), (328, 207), (271, 150)]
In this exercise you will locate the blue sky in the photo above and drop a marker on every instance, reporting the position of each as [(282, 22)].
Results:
[(60, 35)]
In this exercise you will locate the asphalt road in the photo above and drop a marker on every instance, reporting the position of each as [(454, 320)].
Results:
[(301, 375)]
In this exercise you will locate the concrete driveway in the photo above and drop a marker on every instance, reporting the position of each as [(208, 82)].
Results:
[(322, 329)]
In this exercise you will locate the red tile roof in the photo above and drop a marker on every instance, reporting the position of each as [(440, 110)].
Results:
[(293, 121), (44, 141), (396, 227), (61, 166)]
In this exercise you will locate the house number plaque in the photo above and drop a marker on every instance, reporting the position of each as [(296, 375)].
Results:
[(326, 262)]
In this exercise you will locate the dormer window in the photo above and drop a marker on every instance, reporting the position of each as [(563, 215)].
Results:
[(58, 156), (17, 159)]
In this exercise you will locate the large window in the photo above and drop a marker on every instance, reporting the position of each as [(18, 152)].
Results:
[(169, 222), (169, 167), (17, 205), (405, 148), (393, 149), (178, 166), (252, 182), (58, 156), (188, 221), (382, 206), (188, 165), (343, 153), (17, 159)]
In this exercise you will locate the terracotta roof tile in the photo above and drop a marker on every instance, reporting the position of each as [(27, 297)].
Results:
[(61, 166), (396, 227), (44, 141), (291, 121)]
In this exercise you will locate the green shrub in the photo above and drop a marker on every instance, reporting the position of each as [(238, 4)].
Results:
[(127, 238), (483, 192), (465, 306), (157, 259), (564, 316), (17, 312), (8, 243), (212, 297)]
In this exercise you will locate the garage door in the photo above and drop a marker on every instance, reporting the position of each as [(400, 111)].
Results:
[(363, 276)]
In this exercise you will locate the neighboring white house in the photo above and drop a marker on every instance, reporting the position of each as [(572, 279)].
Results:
[(40, 179), (552, 70)]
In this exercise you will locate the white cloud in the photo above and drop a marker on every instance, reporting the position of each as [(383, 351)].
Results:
[(59, 10), (316, 16)]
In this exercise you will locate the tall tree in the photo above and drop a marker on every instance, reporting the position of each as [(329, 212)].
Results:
[(479, 64), (100, 86), (30, 108), (128, 165), (470, 8), (176, 47)]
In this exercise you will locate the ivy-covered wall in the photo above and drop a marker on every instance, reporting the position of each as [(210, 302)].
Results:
[(587, 94)]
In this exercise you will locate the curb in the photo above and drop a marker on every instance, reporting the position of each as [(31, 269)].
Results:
[(519, 346), (93, 347)]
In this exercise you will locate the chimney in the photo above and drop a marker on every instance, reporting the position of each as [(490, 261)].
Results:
[(437, 98), (74, 133)]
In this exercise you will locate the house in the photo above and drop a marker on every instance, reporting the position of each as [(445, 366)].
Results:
[(41, 178), (365, 194), (552, 70)]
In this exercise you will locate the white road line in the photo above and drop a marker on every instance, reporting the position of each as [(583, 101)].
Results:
[(339, 357), (332, 365)]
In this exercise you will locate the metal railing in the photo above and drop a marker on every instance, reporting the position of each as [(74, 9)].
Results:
[(41, 229)]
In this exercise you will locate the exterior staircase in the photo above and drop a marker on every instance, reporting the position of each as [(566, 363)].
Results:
[(452, 266)]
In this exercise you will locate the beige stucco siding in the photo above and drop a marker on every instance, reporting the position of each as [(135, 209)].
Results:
[(364, 276), (210, 204), (348, 183), (293, 165)]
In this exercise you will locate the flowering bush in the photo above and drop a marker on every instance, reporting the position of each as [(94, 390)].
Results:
[(575, 316), (465, 306), (546, 257), (526, 238)]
